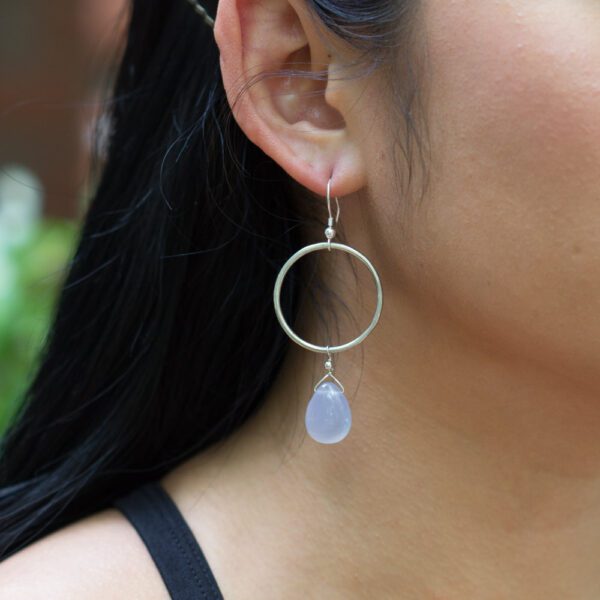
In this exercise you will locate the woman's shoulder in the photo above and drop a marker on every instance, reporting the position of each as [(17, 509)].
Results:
[(100, 556)]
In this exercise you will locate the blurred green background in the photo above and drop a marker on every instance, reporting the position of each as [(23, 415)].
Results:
[(56, 64), (31, 271)]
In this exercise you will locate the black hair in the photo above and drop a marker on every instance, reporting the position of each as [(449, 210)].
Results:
[(163, 340)]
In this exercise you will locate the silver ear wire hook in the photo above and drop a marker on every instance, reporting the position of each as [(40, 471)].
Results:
[(330, 231)]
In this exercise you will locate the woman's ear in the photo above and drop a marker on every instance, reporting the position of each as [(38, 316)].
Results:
[(302, 121)]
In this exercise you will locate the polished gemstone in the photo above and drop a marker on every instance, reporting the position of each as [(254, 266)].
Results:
[(328, 416)]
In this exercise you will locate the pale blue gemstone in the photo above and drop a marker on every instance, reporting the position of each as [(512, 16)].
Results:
[(328, 416)]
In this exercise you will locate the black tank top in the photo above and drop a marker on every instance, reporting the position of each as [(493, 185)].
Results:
[(170, 541)]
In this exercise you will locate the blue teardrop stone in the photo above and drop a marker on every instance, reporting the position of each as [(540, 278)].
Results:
[(328, 416)]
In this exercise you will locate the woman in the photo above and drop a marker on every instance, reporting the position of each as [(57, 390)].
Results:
[(462, 140)]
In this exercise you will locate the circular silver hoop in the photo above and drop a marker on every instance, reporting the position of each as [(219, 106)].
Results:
[(279, 283)]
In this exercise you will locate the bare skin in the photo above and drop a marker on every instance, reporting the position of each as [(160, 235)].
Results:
[(472, 469)]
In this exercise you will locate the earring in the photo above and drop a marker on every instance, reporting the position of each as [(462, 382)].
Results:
[(328, 416)]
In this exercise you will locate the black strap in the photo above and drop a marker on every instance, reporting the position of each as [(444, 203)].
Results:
[(170, 541)]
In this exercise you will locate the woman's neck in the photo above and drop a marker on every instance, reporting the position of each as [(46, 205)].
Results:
[(466, 474)]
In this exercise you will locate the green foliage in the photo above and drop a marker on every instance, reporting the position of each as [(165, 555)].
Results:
[(30, 276)]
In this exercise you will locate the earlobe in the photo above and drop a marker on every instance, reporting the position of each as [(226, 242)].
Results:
[(290, 117)]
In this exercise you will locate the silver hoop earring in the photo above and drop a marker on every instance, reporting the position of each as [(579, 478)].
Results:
[(328, 416)]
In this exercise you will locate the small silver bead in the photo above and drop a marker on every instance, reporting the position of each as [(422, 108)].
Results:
[(330, 233), (328, 365)]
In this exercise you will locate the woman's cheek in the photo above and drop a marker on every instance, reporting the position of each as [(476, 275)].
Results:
[(511, 233), (517, 86)]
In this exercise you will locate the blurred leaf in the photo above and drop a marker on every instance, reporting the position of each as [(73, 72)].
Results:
[(33, 274)]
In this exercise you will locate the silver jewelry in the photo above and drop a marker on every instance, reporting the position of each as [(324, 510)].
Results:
[(328, 416), (202, 12)]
